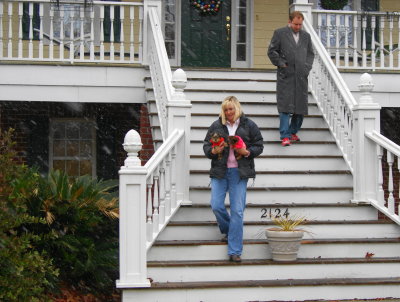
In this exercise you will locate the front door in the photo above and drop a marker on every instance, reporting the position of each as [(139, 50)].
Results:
[(206, 37)]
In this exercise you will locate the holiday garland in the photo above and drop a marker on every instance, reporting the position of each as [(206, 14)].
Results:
[(207, 7)]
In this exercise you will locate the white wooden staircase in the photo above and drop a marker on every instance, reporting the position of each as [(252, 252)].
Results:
[(348, 253)]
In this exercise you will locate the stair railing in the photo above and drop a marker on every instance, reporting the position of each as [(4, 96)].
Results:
[(356, 129), (151, 194)]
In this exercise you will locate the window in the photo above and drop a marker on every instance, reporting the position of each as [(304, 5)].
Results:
[(73, 146), (169, 27)]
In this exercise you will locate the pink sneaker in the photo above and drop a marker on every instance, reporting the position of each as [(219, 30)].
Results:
[(294, 138), (285, 142)]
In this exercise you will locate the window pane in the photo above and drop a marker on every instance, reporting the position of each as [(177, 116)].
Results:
[(242, 3), (59, 130), (59, 165), (72, 148), (58, 148), (169, 32), (86, 167), (242, 35), (72, 167), (241, 52), (72, 130), (86, 130), (86, 149), (170, 49), (242, 16)]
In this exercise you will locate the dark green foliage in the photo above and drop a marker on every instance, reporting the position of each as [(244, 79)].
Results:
[(333, 4), (26, 274)]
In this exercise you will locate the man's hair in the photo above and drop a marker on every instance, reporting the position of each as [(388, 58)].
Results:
[(296, 14)]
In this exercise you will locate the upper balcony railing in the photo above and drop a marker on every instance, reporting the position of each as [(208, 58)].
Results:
[(42, 30), (360, 40)]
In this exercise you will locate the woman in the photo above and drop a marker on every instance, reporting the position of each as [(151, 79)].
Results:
[(230, 173)]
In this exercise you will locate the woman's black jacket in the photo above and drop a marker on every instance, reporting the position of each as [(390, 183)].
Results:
[(251, 135)]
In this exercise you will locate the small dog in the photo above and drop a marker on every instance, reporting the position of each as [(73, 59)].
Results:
[(216, 141), (236, 142)]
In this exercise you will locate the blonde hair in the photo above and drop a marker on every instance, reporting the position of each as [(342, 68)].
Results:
[(236, 104)]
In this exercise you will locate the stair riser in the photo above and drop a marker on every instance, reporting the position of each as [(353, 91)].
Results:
[(283, 164), (282, 196), (322, 231), (266, 213), (287, 180), (215, 85), (272, 272), (275, 293), (262, 251), (276, 149)]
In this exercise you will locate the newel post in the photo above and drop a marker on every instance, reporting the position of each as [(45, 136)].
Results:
[(366, 119), (179, 110), (132, 217)]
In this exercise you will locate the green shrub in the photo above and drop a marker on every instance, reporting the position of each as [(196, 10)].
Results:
[(26, 274)]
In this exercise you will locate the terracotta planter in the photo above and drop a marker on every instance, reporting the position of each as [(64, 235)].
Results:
[(284, 245)]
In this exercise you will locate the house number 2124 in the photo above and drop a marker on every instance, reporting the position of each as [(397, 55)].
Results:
[(274, 213)]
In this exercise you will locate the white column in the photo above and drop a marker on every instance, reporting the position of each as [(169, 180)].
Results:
[(179, 118), (132, 217), (366, 119), (146, 24)]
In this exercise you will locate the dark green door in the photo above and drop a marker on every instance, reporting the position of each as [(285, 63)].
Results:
[(206, 38)]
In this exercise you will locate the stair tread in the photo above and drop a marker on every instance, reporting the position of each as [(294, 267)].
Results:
[(275, 283), (285, 188), (263, 241), (286, 205), (287, 172), (299, 261), (285, 156), (311, 222)]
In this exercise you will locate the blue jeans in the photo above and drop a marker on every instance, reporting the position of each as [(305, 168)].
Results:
[(289, 124), (231, 223)]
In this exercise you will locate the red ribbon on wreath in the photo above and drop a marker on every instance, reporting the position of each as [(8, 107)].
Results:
[(207, 7)]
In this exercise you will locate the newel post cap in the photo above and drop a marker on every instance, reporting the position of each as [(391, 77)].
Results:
[(179, 82), (132, 145), (366, 86)]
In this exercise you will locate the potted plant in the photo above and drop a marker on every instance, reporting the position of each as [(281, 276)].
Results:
[(333, 4), (284, 239)]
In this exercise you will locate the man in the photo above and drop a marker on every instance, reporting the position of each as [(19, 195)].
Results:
[(291, 51)]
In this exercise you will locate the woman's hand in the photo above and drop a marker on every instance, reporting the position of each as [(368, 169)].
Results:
[(243, 151), (218, 149)]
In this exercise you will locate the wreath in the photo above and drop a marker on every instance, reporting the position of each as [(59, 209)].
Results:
[(333, 4), (207, 7)]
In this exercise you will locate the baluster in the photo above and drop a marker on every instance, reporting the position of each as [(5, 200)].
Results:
[(350, 150), (132, 36), (381, 42), (51, 44), (149, 210), (1, 29), (364, 42), (72, 37), (173, 177), (373, 55), (337, 56), (20, 15), (162, 194), (319, 25), (62, 35), (381, 193), (30, 45), (102, 33), (391, 41), (390, 184), (398, 170), (82, 33), (92, 35), (346, 41), (156, 204), (122, 38), (355, 29), (328, 34), (10, 47), (168, 185), (140, 34), (112, 33), (41, 31), (398, 43)]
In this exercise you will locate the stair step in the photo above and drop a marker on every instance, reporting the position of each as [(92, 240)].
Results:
[(208, 230), (265, 212), (175, 250), (261, 269), (273, 290), (270, 179), (282, 195)]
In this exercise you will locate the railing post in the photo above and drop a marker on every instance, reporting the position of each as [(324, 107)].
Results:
[(304, 7), (366, 119), (147, 4), (179, 109), (132, 217)]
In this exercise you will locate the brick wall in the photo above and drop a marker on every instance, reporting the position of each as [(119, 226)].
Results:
[(145, 134)]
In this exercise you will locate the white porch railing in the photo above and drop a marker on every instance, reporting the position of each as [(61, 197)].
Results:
[(39, 30), (355, 126), (360, 40)]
